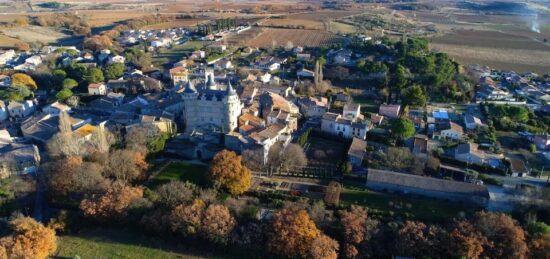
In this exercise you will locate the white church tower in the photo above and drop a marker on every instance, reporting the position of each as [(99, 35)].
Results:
[(234, 107)]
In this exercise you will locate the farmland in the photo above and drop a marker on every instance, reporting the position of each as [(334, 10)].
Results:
[(272, 37)]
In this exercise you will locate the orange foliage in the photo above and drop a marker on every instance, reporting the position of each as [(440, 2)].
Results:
[(227, 170), (466, 241), (324, 247), (113, 203), (98, 42), (506, 237), (62, 172), (29, 239), (217, 224), (355, 222), (540, 247), (21, 79), (292, 233), (187, 219)]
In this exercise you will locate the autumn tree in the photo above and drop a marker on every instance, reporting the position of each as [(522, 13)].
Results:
[(412, 239), (323, 247), (539, 247), (114, 203), (21, 79), (29, 239), (292, 233), (332, 193), (354, 222), (506, 238), (217, 224), (228, 172), (186, 219), (126, 165), (465, 241), (60, 174), (97, 43), (21, 21)]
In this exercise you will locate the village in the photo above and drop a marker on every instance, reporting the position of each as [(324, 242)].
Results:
[(303, 119)]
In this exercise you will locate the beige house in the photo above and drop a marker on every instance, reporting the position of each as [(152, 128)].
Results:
[(97, 89)]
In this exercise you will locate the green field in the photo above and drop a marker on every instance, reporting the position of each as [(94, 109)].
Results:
[(367, 103), (181, 171), (176, 53), (384, 205), (111, 243)]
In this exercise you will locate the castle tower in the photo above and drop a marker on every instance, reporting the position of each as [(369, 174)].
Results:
[(234, 107), (190, 107), (210, 83)]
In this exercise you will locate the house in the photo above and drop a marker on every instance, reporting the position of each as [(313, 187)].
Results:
[(118, 85), (268, 64), (357, 152), (390, 110), (6, 56), (303, 57), (451, 130), (20, 110), (472, 122), (469, 153), (420, 145), (97, 89), (217, 48), (34, 60), (409, 184), (18, 159), (518, 168), (181, 63), (198, 54), (265, 78), (336, 124), (297, 50), (56, 108), (3, 111), (376, 119), (179, 75), (117, 59), (223, 64), (305, 73), (352, 111), (313, 106), (542, 141)]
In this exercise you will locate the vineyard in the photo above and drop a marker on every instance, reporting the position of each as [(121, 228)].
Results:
[(272, 37)]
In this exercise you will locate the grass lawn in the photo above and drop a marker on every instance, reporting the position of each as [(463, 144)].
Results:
[(176, 53), (383, 205), (112, 243), (367, 103), (183, 172)]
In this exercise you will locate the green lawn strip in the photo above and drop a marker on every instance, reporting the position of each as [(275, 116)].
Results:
[(367, 103), (384, 205), (183, 172), (112, 243)]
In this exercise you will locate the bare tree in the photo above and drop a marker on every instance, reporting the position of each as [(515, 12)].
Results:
[(286, 158), (102, 139)]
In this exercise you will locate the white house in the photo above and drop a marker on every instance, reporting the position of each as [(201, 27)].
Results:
[(6, 56), (452, 130), (335, 124), (97, 89), (305, 73), (223, 64), (265, 78), (471, 122), (56, 108), (34, 60), (117, 59), (19, 110)]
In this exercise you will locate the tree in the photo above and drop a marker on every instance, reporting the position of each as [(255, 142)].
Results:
[(217, 224), (540, 247), (186, 219), (114, 71), (21, 21), (228, 171), (18, 93), (465, 241), (97, 43), (22, 46), (126, 165), (505, 236), (21, 79), (29, 239), (402, 128), (338, 72), (401, 78), (332, 193), (174, 193), (291, 157), (94, 75), (60, 174), (292, 233), (113, 204), (69, 83), (413, 95), (323, 247), (64, 94)]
